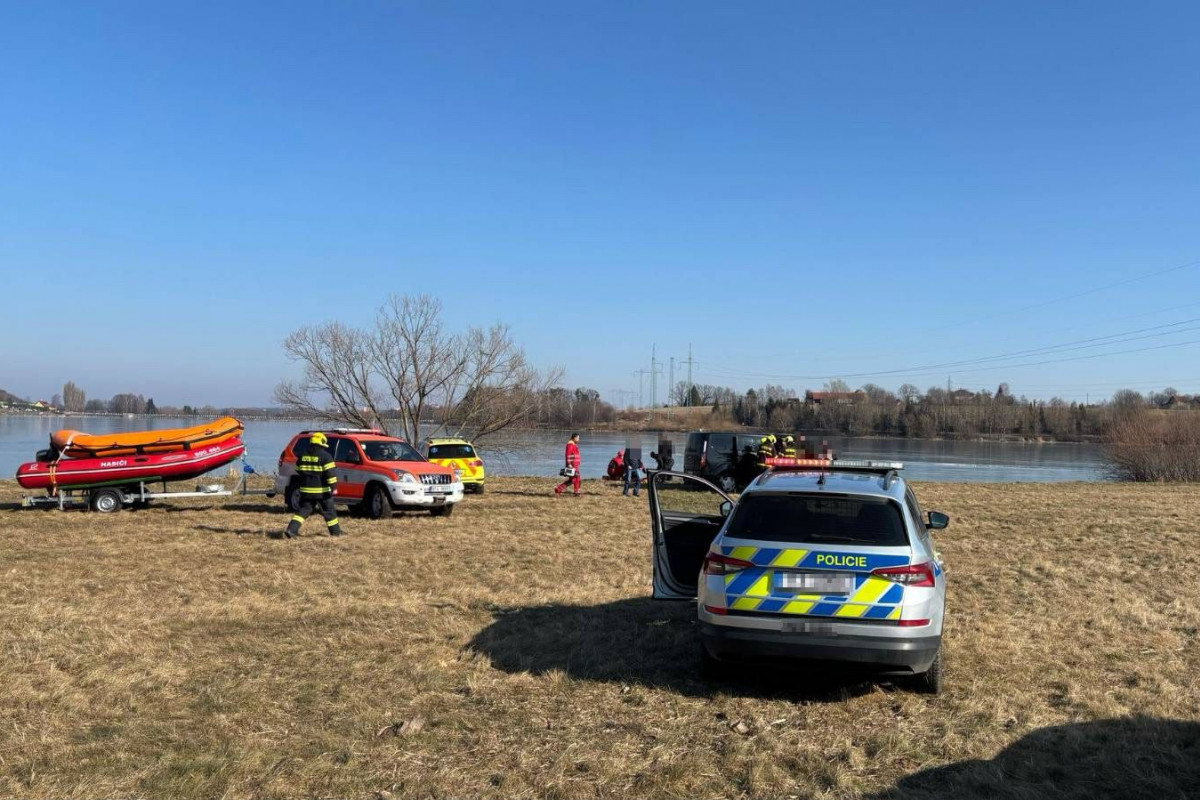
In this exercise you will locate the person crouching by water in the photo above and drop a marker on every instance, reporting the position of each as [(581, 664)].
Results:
[(633, 473), (317, 481), (571, 470), (616, 467)]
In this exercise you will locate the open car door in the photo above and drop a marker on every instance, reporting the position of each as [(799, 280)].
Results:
[(686, 513)]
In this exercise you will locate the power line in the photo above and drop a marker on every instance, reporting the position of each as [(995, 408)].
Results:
[(1082, 358), (1079, 344), (1063, 298)]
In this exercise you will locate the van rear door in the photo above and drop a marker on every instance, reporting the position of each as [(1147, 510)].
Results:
[(693, 451)]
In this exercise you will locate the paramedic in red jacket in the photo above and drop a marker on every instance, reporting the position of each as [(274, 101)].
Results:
[(571, 457)]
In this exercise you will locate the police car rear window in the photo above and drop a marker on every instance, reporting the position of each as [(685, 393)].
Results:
[(451, 451), (818, 519)]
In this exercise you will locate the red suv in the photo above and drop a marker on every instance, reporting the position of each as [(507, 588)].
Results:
[(376, 474)]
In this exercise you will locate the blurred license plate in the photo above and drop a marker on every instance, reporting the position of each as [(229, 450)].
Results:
[(819, 628), (816, 582)]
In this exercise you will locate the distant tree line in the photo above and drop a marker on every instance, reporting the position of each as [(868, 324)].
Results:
[(936, 412), (564, 408)]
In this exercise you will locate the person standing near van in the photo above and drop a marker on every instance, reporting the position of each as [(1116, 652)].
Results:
[(633, 472), (572, 462)]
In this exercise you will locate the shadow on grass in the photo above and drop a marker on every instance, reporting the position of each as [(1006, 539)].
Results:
[(640, 641), (1136, 757), (233, 531), (257, 508)]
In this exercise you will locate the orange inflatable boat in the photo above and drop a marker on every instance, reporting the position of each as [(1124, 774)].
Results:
[(76, 444)]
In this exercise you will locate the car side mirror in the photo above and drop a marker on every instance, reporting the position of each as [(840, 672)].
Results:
[(938, 520), (726, 508)]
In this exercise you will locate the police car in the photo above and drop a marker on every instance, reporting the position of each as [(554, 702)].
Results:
[(818, 559)]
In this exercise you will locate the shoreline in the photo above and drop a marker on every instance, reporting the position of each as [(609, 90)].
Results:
[(623, 426)]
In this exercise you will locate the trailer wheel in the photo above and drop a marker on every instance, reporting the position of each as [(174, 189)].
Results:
[(106, 501)]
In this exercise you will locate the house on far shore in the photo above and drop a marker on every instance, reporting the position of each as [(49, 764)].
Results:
[(812, 398)]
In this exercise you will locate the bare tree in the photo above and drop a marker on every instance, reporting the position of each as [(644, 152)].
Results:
[(680, 393), (877, 394), (408, 370), (127, 403), (837, 385), (1128, 400), (74, 398), (773, 393)]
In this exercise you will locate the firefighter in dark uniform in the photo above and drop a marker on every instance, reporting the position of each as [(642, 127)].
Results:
[(317, 481), (766, 449)]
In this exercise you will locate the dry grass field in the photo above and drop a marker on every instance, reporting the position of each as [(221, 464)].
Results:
[(511, 651)]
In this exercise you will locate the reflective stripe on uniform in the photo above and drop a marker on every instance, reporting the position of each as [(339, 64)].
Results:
[(332, 522), (313, 490), (297, 518)]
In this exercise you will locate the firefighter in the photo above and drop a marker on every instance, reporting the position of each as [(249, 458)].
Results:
[(317, 481), (789, 446), (766, 449)]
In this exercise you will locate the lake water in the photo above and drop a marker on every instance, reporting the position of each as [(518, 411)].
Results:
[(540, 452)]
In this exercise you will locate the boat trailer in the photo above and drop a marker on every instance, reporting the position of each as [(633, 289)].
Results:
[(111, 499)]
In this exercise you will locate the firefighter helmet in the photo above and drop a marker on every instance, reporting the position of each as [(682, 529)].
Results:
[(320, 439)]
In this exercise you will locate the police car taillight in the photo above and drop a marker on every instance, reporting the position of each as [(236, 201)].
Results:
[(909, 575), (724, 565)]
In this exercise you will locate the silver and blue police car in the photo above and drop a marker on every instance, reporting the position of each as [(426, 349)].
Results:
[(819, 560)]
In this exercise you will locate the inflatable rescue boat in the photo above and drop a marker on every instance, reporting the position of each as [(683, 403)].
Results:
[(129, 468), (76, 444)]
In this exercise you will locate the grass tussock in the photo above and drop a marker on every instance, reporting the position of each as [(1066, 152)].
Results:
[(511, 651)]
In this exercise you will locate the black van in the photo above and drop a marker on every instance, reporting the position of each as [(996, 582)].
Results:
[(730, 460)]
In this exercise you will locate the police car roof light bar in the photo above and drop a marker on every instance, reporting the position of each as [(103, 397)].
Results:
[(832, 464)]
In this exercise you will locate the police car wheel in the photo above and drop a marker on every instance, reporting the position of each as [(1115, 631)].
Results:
[(930, 681), (441, 511), (728, 484)]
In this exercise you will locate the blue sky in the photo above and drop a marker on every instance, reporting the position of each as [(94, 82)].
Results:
[(796, 189)]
